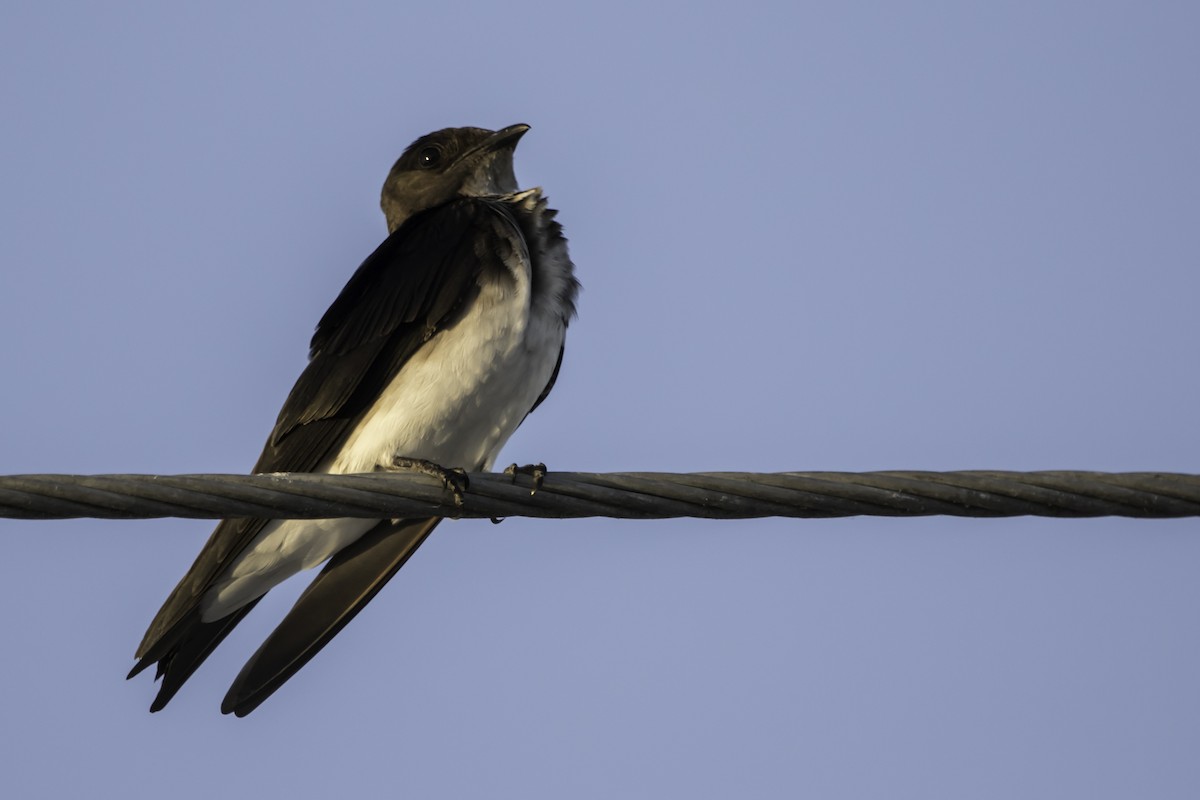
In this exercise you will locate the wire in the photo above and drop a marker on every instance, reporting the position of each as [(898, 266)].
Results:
[(626, 495)]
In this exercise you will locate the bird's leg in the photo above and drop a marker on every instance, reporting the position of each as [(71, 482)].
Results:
[(454, 479), (535, 471)]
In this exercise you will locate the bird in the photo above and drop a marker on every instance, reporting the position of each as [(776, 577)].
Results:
[(438, 347)]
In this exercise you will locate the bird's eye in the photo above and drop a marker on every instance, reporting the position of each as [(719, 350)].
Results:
[(429, 158)]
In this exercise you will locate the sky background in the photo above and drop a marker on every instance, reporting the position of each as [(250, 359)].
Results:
[(851, 236)]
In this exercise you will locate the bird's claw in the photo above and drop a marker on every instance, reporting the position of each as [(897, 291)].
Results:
[(535, 471), (454, 478)]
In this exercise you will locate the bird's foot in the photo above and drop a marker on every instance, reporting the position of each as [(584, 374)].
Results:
[(454, 479), (535, 471)]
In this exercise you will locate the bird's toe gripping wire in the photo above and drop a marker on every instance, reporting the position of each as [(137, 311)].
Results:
[(535, 471), (454, 479)]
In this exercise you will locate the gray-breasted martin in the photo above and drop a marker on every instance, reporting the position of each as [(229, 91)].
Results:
[(440, 345)]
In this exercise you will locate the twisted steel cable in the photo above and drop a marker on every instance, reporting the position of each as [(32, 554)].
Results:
[(625, 495)]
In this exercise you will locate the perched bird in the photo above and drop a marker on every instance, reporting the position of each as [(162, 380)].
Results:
[(438, 347)]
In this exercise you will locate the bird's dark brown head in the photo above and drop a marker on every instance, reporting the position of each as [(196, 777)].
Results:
[(450, 163)]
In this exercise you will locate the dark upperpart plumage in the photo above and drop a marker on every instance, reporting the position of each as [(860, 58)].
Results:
[(457, 225)]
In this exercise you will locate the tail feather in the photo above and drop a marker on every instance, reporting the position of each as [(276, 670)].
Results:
[(179, 655), (343, 588)]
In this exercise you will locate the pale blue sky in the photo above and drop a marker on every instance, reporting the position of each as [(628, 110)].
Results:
[(831, 236)]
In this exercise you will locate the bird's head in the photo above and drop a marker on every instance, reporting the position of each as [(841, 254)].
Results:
[(453, 162)]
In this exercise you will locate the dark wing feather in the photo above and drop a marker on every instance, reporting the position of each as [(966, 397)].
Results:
[(410, 287), (550, 383), (347, 583), (200, 642), (413, 285)]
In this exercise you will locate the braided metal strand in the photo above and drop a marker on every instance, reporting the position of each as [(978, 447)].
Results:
[(627, 495)]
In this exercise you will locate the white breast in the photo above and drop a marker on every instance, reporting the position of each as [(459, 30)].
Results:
[(455, 402)]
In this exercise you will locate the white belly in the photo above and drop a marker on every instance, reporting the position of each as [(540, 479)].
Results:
[(455, 403)]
